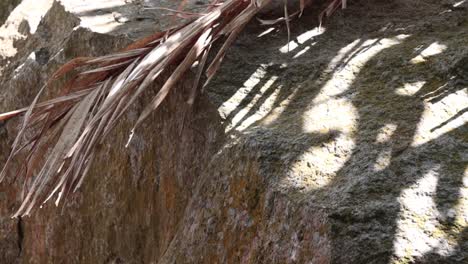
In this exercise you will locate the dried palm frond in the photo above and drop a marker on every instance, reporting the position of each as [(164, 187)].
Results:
[(332, 7), (90, 104)]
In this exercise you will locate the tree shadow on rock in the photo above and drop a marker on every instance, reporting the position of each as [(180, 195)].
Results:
[(391, 161)]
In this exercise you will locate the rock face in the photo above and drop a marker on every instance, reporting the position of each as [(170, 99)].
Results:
[(350, 148), (6, 7)]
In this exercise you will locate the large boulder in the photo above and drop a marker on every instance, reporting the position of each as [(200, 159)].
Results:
[(150, 181), (346, 145)]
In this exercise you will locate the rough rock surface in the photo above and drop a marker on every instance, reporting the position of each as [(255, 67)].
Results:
[(350, 148), (6, 6)]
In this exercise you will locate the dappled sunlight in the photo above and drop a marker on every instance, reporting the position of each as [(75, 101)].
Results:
[(255, 101), (347, 72), (266, 32), (233, 102), (418, 221), (433, 121), (410, 89), (433, 49), (335, 114), (33, 14), (306, 178), (20, 68), (322, 162), (96, 15), (331, 111), (302, 39), (350, 139), (384, 159), (101, 16), (308, 35), (275, 112), (462, 206), (29, 11), (457, 4), (386, 133), (91, 5), (101, 24), (303, 51), (411, 239), (342, 53), (263, 110), (316, 168)]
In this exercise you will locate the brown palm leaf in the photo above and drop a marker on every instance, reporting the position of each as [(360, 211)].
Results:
[(94, 100)]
